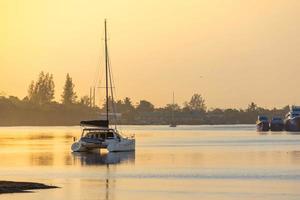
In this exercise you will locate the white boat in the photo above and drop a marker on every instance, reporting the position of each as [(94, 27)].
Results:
[(96, 134), (262, 123), (103, 138), (292, 119)]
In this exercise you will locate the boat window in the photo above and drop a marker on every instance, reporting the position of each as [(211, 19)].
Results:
[(110, 135), (102, 136), (296, 109), (263, 118)]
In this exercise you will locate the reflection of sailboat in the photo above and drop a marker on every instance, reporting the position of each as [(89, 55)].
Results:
[(97, 134), (92, 158), (173, 123), (109, 160)]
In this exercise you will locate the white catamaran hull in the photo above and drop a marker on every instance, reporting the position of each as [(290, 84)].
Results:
[(112, 146), (122, 145), (78, 147)]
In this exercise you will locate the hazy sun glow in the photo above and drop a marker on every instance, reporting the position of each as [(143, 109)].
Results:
[(232, 52)]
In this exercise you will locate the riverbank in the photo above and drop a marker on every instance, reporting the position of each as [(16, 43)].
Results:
[(16, 112), (20, 187)]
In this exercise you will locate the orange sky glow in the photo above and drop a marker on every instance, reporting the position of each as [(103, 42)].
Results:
[(232, 52)]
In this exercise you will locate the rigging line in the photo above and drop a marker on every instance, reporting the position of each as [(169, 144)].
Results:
[(106, 71), (102, 57), (97, 77), (113, 85), (101, 74), (112, 75), (111, 91), (111, 71), (113, 88)]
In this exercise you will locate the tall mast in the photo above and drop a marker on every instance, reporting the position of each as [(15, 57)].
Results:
[(173, 109), (173, 97), (106, 69)]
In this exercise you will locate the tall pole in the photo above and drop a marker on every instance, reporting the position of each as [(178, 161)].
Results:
[(94, 97), (106, 68), (90, 97), (173, 97), (173, 109)]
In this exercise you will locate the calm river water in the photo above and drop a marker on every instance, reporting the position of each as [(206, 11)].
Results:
[(187, 162)]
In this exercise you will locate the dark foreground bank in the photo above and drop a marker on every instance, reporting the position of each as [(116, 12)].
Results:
[(16, 187)]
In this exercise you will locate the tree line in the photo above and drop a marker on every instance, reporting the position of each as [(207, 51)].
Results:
[(40, 108)]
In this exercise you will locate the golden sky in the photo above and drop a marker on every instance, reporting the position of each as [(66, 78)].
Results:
[(231, 51)]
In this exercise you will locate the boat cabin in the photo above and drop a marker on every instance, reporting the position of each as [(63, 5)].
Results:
[(276, 118), (295, 114), (262, 118), (295, 109), (100, 134)]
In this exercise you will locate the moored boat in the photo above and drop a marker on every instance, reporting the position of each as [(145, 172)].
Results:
[(292, 119), (100, 137), (276, 124), (262, 123), (97, 134)]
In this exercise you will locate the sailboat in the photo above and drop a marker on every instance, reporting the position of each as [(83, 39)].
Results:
[(97, 134), (172, 124)]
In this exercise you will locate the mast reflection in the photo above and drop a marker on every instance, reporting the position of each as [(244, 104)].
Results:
[(93, 158), (107, 159)]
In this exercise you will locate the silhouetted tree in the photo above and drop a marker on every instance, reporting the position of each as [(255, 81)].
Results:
[(145, 106), (252, 107), (85, 100), (42, 91), (170, 107), (127, 106), (31, 90), (197, 103), (69, 96)]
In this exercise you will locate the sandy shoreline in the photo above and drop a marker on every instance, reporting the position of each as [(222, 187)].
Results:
[(18, 187)]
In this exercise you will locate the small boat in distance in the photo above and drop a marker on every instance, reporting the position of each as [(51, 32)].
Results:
[(292, 119), (97, 134), (262, 123), (173, 123), (276, 124)]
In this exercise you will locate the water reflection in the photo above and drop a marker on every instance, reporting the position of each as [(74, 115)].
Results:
[(93, 158), (276, 132), (41, 159), (262, 132), (293, 133), (295, 155), (107, 159)]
